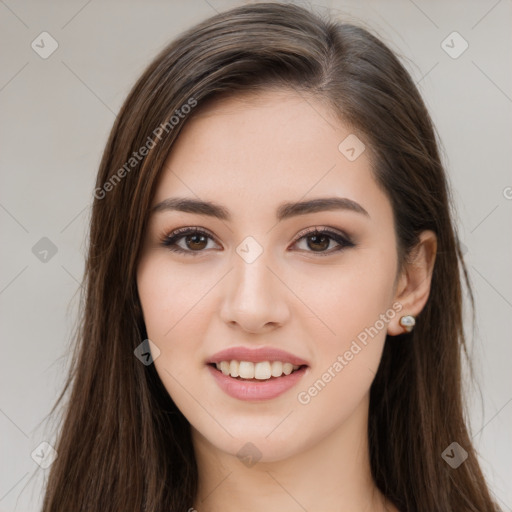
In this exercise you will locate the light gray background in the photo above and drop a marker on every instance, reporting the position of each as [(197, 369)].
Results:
[(56, 114)]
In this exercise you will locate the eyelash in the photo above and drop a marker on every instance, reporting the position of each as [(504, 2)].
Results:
[(170, 240)]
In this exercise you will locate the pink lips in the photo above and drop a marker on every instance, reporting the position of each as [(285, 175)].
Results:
[(254, 390)]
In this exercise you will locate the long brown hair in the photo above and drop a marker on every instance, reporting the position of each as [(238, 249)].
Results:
[(123, 444)]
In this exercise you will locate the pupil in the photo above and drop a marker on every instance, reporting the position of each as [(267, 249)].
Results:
[(315, 241), (195, 242)]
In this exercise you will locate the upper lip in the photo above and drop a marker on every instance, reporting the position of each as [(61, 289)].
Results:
[(256, 355)]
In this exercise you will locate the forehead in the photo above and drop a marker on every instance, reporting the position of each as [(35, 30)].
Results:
[(255, 150)]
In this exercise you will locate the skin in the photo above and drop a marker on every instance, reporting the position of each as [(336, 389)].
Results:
[(251, 153)]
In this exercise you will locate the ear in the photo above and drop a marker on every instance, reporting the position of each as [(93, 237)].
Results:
[(413, 287)]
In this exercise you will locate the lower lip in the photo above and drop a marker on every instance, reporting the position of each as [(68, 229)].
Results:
[(256, 390)]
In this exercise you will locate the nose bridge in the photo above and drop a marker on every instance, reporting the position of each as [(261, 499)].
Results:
[(251, 276), (254, 295)]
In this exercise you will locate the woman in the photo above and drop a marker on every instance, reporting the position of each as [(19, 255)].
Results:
[(272, 316)]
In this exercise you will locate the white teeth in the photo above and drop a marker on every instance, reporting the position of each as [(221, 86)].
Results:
[(246, 370), (287, 368), (277, 368), (224, 367), (233, 369), (262, 370)]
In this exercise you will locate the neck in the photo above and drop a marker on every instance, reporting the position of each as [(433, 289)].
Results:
[(333, 474)]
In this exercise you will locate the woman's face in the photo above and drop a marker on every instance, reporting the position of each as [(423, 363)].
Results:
[(259, 277)]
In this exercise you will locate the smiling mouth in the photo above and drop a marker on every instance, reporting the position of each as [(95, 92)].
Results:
[(256, 372)]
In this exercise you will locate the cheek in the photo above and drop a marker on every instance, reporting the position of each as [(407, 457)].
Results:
[(175, 307), (356, 305), (173, 304), (347, 298), (170, 298)]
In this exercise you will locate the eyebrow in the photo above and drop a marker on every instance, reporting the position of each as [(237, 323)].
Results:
[(285, 210)]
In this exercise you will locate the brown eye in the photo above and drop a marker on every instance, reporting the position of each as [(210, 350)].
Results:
[(195, 241), (319, 240)]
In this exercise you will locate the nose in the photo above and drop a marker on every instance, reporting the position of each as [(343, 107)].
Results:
[(255, 297)]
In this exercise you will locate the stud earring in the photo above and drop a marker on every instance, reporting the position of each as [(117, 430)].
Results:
[(408, 322)]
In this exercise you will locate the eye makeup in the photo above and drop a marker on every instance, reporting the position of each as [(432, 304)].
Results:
[(200, 237)]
